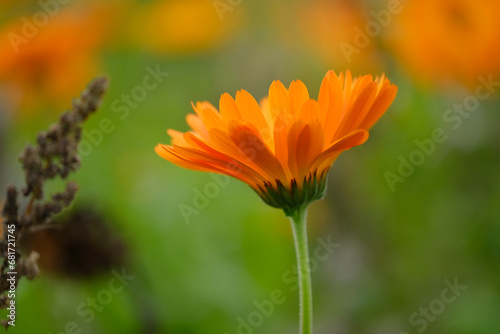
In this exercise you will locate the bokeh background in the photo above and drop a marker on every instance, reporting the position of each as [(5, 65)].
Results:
[(403, 231)]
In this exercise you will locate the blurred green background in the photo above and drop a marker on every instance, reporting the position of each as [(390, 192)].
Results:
[(401, 237)]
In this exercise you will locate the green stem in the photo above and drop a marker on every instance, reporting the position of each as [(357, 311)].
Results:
[(299, 227)]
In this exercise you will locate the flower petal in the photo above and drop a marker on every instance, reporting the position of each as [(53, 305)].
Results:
[(309, 146), (250, 143), (225, 166), (278, 98), (251, 112), (228, 109), (334, 111), (197, 125), (292, 141), (223, 142), (380, 106), (297, 95), (357, 110), (328, 156), (177, 137), (232, 160), (167, 153)]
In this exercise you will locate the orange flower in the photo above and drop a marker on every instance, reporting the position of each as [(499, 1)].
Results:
[(57, 59), (326, 26), (176, 27), (283, 148), (447, 40)]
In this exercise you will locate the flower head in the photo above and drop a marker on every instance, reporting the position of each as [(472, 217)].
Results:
[(448, 40), (326, 27), (284, 147), (43, 69), (179, 27)]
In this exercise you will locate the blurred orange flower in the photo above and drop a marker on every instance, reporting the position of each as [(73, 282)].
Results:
[(331, 28), (47, 64), (181, 26), (283, 148), (449, 40)]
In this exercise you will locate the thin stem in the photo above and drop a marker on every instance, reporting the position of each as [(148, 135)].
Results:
[(299, 227), (30, 205)]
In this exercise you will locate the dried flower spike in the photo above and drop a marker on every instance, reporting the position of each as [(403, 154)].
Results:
[(55, 154)]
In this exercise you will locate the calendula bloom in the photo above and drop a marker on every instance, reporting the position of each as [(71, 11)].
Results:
[(175, 27), (445, 40), (52, 63), (284, 147), (328, 27)]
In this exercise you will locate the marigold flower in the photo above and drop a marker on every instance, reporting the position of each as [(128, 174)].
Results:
[(176, 27), (447, 40), (330, 28), (52, 62), (283, 148)]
